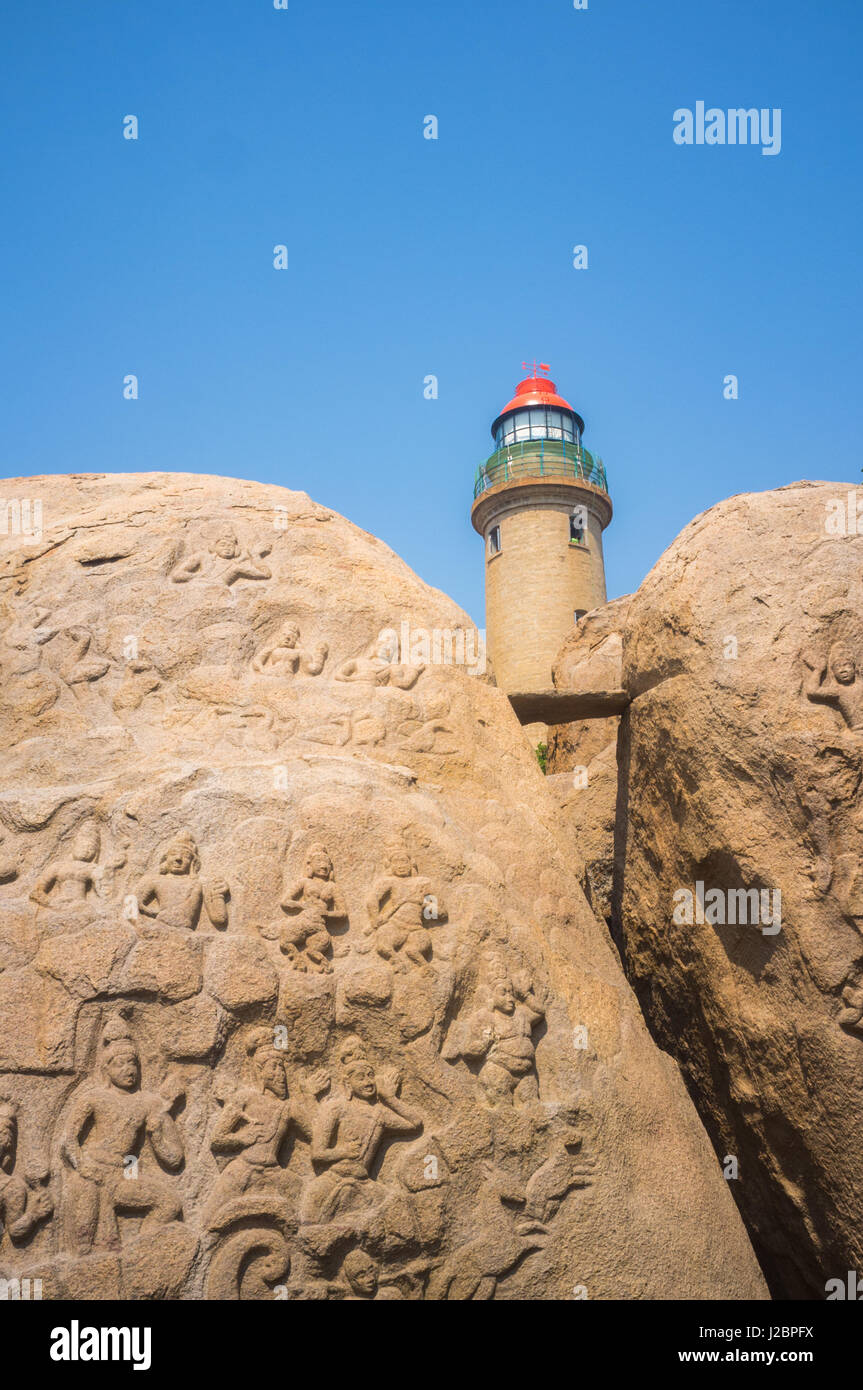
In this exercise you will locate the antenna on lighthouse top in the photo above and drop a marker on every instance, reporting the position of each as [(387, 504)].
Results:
[(537, 367)]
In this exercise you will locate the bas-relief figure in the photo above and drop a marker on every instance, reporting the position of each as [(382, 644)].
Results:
[(850, 1015), (256, 1122), (402, 908), (176, 894), (362, 1277), (283, 656), (102, 1142), (504, 1239), (378, 667), (140, 679), (27, 681), (832, 801), (347, 1136), (224, 561), (499, 1036), (312, 904), (835, 680), (427, 727), (70, 882)]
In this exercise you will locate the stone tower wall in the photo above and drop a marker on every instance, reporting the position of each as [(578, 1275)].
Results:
[(538, 580)]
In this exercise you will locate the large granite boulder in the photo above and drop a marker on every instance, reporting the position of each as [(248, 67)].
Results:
[(739, 844), (299, 995)]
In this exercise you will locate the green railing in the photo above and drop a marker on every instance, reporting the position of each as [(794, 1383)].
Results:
[(540, 458)]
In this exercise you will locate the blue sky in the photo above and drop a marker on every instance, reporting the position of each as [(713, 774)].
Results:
[(410, 257)]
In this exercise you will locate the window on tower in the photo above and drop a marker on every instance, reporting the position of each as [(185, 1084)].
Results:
[(536, 422), (494, 541), (577, 525)]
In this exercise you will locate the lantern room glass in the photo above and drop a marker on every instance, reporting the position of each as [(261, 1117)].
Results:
[(537, 422)]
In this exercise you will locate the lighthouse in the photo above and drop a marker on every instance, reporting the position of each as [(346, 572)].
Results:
[(541, 505)]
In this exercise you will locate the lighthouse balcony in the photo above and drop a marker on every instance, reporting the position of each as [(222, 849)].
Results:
[(540, 458)]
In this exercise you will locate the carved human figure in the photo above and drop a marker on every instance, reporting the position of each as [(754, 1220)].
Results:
[(84, 662), (312, 902), (106, 1129), (23, 1203), (175, 895), (283, 656), (347, 1137), (836, 682), (255, 1123), (224, 560), (362, 1275), (378, 666), (402, 908), (69, 882), (499, 1035)]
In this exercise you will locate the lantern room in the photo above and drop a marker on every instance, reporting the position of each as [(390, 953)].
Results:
[(536, 411)]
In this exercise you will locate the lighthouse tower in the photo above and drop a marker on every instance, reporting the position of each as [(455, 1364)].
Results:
[(541, 505)]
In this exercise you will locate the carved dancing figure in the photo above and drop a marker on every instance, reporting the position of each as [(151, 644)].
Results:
[(312, 902), (836, 682), (499, 1036), (108, 1123), (175, 895)]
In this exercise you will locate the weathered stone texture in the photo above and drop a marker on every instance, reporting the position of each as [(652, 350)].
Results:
[(741, 766)]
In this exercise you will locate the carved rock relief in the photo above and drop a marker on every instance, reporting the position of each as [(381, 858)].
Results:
[(832, 687), (279, 1017), (328, 1176)]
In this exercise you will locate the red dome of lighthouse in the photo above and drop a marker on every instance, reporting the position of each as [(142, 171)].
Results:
[(536, 391)]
